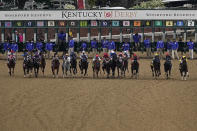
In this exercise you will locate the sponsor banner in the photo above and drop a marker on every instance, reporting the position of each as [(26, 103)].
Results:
[(51, 23), (126, 23), (8, 24), (94, 23), (169, 23), (99, 15), (190, 23)]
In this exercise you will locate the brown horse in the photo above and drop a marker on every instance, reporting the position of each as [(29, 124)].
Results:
[(11, 65), (55, 66), (42, 63), (96, 68)]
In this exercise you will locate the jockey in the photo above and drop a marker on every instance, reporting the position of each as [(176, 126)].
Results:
[(11, 55), (73, 55), (168, 57), (134, 58), (112, 54), (55, 56), (125, 54), (183, 58), (66, 57), (83, 56), (156, 58), (120, 55), (96, 58)]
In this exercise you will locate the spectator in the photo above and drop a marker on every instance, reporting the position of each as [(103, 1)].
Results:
[(126, 48), (39, 46), (83, 46), (169, 47), (30, 47), (61, 39), (14, 48)]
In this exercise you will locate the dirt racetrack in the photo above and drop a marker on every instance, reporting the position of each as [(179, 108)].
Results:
[(86, 104)]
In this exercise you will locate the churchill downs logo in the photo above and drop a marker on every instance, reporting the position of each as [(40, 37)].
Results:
[(82, 14)]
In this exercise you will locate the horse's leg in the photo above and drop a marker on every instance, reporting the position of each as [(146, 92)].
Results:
[(53, 72), (9, 71), (57, 72), (24, 71), (118, 71), (62, 71)]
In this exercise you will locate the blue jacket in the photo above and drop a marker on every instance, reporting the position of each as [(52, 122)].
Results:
[(30, 46), (71, 44), (105, 44), (93, 44), (175, 45), (169, 45), (147, 43), (111, 46), (61, 36), (136, 38), (126, 46), (83, 45), (49, 46), (6, 46), (39, 46), (160, 44), (14, 47), (190, 45)]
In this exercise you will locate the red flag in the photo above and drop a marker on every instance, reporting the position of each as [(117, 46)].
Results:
[(80, 4)]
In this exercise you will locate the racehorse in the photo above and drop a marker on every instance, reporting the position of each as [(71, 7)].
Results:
[(83, 65), (55, 66), (155, 67), (183, 69), (167, 68), (106, 66), (66, 66), (42, 63), (96, 67), (120, 66), (73, 62), (135, 68), (125, 65), (36, 65), (11, 65), (113, 64), (28, 65)]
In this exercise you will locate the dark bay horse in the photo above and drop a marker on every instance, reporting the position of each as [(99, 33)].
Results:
[(83, 66), (155, 67), (55, 66), (134, 68), (11, 65), (167, 68), (96, 67), (125, 65), (73, 66), (106, 66), (120, 66), (42, 63), (183, 69), (36, 63), (113, 64), (28, 65)]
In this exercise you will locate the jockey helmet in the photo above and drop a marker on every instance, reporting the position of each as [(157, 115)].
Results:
[(66, 54), (183, 57), (105, 55), (167, 54), (12, 51), (97, 55), (156, 54), (125, 52), (134, 54), (112, 52), (83, 52)]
